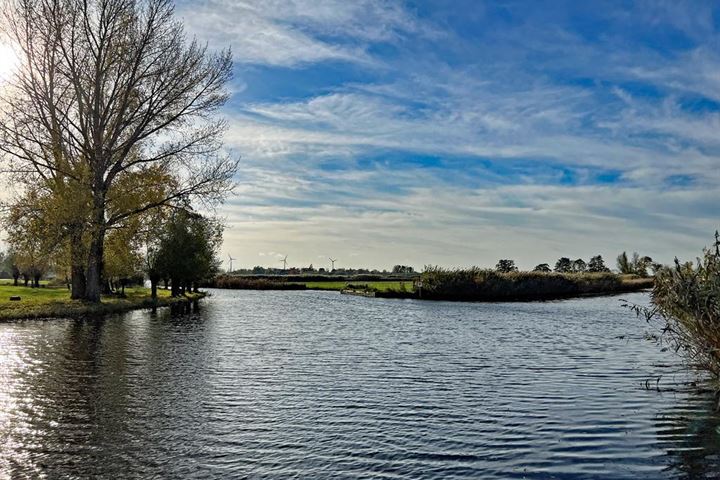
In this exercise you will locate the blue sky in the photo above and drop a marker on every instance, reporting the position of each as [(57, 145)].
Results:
[(460, 132)]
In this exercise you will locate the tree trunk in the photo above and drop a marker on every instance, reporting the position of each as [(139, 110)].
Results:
[(77, 269), (15, 281), (95, 255), (153, 288), (26, 279), (77, 282), (94, 271), (37, 281), (175, 289)]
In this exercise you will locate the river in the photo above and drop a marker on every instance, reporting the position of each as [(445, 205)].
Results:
[(320, 385)]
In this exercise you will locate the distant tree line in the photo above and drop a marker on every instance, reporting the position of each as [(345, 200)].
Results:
[(596, 264), (564, 265), (310, 270), (637, 265)]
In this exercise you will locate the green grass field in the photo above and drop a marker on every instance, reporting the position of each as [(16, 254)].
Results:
[(55, 302)]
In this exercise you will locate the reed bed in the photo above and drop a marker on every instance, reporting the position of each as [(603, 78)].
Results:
[(476, 284)]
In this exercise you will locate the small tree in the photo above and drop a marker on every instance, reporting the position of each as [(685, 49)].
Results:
[(187, 251), (597, 265), (543, 267), (640, 264), (10, 265), (579, 266), (123, 260), (563, 265), (623, 264), (32, 244), (506, 266)]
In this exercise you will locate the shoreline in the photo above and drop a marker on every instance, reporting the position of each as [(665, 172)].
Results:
[(511, 299), (488, 296), (77, 309)]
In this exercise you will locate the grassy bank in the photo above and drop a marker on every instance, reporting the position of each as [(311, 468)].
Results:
[(54, 302), (253, 283), (310, 283), (475, 284)]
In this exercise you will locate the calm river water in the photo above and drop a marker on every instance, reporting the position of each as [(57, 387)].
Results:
[(320, 385)]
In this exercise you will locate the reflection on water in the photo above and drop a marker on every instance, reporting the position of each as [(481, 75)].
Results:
[(317, 385), (690, 432)]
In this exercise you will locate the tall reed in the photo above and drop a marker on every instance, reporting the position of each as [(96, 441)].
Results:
[(481, 284), (686, 299)]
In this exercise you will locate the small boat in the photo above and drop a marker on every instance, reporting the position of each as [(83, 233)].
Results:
[(359, 293)]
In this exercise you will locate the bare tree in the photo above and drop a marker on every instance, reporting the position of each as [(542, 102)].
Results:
[(111, 89), (33, 108)]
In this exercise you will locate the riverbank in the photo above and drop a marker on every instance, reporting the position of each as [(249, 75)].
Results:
[(458, 285), (490, 286), (309, 282), (55, 302)]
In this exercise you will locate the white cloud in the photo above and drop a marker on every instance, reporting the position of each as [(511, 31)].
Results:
[(540, 123), (292, 33)]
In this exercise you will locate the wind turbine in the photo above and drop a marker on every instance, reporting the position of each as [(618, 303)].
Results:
[(231, 260), (284, 262), (332, 260)]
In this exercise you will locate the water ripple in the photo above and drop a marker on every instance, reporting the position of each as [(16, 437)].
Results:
[(318, 385)]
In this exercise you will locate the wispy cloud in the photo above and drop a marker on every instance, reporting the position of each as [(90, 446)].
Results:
[(295, 32), (420, 135)]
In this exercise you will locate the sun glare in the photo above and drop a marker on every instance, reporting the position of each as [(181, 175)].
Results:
[(9, 61)]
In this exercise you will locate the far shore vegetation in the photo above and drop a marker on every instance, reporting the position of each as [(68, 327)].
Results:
[(569, 278)]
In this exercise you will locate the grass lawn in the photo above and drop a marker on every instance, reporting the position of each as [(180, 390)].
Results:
[(55, 302)]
